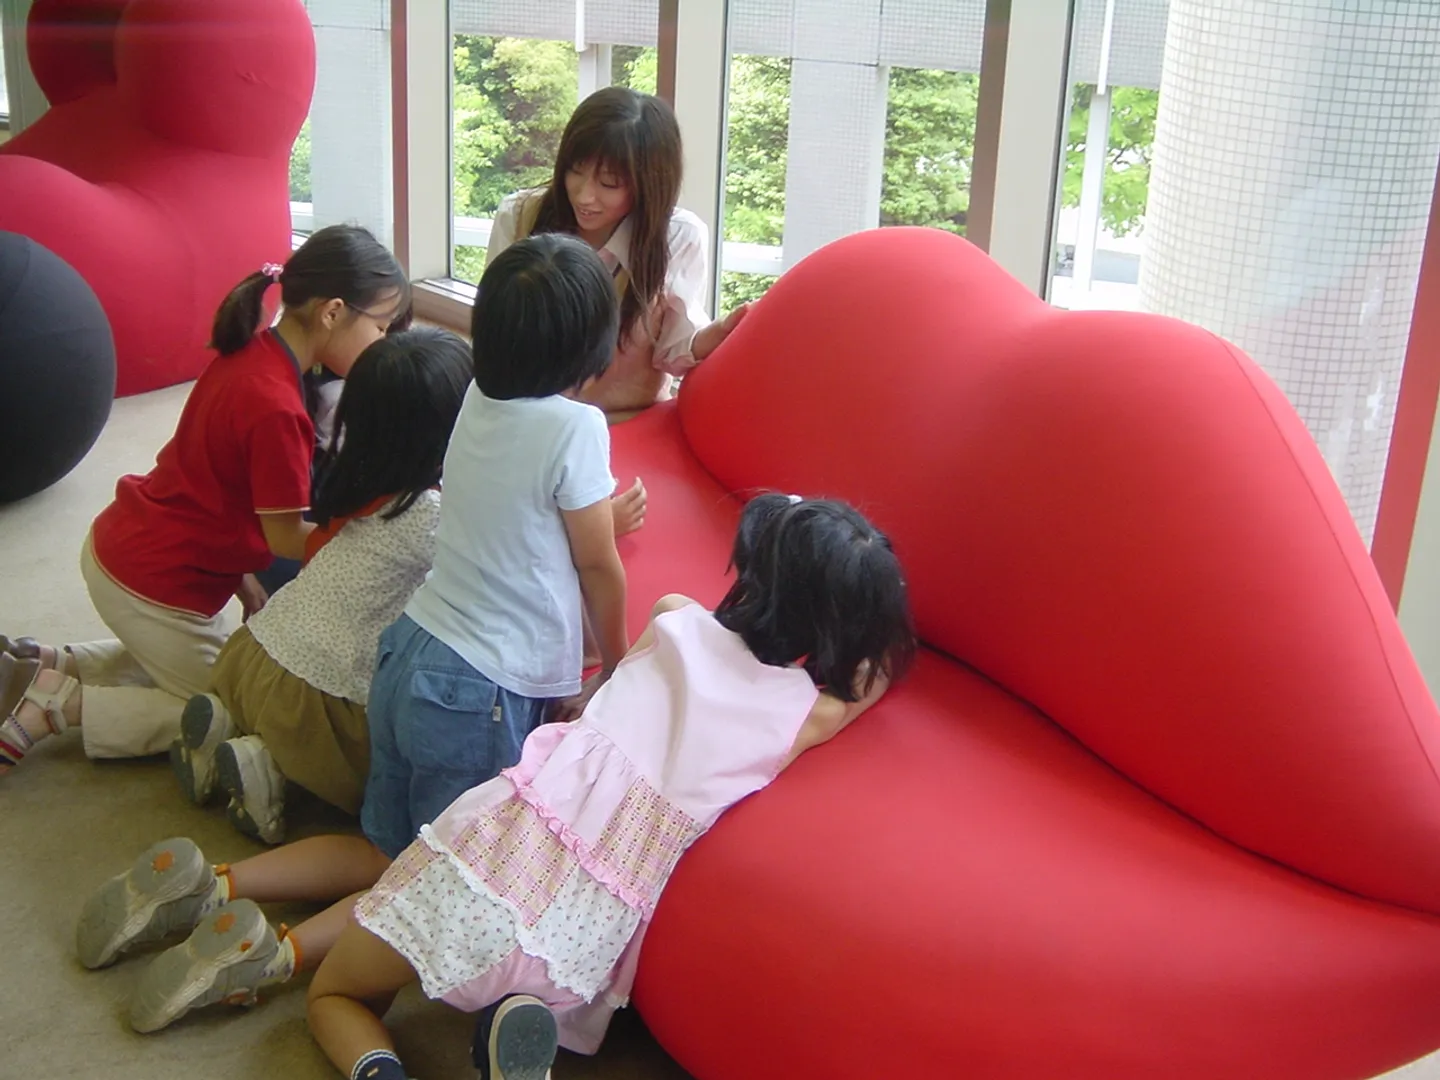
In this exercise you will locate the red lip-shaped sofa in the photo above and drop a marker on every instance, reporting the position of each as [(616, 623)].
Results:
[(161, 170), (1159, 800)]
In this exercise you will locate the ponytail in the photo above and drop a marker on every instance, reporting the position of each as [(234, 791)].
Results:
[(240, 313), (341, 262)]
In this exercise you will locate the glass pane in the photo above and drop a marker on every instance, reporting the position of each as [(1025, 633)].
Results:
[(4, 94), (518, 76), (340, 167), (1265, 171), (875, 107)]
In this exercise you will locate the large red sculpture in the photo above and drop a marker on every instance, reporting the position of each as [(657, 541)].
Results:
[(1161, 799), (160, 171)]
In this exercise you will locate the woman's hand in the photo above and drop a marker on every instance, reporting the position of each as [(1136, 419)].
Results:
[(629, 509), (709, 339), (252, 595)]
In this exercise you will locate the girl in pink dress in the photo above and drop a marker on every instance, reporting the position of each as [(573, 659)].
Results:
[(528, 898)]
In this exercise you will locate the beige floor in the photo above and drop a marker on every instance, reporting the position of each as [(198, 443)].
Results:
[(67, 823)]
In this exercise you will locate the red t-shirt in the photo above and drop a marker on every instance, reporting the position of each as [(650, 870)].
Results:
[(184, 534)]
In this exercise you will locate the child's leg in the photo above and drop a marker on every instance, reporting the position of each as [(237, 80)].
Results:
[(233, 952), (171, 887), (351, 992), (129, 712)]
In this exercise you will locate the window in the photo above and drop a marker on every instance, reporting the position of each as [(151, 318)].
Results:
[(1276, 191), (841, 117), (519, 71), (341, 164), (4, 94)]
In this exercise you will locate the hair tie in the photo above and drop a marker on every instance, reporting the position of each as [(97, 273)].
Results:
[(272, 271)]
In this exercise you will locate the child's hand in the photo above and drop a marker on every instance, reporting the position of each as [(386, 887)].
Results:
[(252, 596), (567, 709), (709, 339), (629, 509)]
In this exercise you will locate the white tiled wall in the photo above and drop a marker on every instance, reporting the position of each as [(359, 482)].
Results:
[(1294, 163)]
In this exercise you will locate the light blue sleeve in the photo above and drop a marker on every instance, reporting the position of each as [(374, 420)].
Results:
[(582, 475)]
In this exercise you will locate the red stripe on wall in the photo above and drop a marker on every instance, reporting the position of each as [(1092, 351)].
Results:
[(1414, 422)]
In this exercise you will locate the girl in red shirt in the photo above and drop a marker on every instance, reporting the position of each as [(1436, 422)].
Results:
[(227, 494)]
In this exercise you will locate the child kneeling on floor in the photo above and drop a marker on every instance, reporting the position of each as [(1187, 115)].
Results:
[(467, 673), (290, 686), (528, 898)]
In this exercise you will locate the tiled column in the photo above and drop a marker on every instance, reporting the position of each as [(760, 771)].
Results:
[(1294, 163), (838, 100), (350, 145)]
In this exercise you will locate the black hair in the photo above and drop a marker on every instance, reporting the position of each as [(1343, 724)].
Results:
[(545, 318), (817, 585), (338, 262), (394, 421)]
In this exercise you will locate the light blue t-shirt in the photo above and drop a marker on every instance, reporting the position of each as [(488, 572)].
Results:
[(504, 593)]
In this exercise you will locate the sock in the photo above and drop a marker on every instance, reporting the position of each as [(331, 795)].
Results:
[(222, 891), (287, 959), (378, 1065)]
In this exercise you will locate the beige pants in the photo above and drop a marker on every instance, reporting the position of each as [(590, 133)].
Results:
[(136, 687)]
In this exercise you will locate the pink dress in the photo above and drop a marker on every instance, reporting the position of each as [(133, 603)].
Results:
[(544, 879)]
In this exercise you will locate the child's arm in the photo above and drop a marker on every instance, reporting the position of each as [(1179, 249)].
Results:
[(285, 533), (602, 583), (829, 715)]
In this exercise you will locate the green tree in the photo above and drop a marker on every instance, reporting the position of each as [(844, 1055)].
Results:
[(929, 148), (512, 98), (1127, 166), (635, 66), (756, 139), (300, 166)]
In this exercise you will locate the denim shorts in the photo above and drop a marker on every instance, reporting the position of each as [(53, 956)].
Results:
[(437, 728)]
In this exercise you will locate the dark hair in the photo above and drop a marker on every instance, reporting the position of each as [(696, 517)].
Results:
[(817, 585), (394, 421), (338, 262), (544, 319), (637, 137)]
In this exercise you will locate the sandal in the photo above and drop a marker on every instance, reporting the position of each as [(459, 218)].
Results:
[(17, 685), (22, 648)]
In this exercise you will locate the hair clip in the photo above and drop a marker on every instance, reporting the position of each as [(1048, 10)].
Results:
[(794, 499), (272, 271)]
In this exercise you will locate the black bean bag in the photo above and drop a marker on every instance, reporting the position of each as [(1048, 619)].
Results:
[(57, 367)]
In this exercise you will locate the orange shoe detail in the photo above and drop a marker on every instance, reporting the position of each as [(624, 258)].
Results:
[(224, 923), (285, 935), (240, 997), (163, 862)]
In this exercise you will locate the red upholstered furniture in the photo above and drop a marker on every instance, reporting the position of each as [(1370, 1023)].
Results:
[(160, 171), (1160, 801)]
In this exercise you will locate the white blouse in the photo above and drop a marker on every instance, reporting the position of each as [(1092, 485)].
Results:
[(680, 310)]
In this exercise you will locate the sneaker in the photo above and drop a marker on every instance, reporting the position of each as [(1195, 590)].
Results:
[(248, 774), (231, 954), (515, 1039), (168, 889), (204, 725)]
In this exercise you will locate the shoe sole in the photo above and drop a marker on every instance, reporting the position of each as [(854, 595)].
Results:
[(230, 776), (103, 932), (523, 1040), (196, 722), (184, 978)]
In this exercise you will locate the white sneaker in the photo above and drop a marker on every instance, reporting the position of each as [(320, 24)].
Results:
[(229, 957), (204, 725), (248, 774), (169, 888)]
